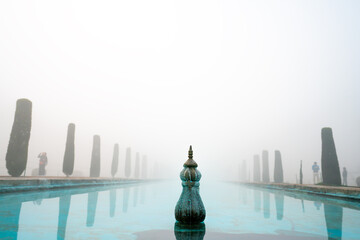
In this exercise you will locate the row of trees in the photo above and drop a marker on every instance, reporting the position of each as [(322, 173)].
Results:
[(265, 176), (17, 152), (329, 163)]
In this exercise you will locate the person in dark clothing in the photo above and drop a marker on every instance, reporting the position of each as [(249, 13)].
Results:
[(344, 174), (42, 163)]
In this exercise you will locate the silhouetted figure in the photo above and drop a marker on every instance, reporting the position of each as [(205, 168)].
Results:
[(315, 169), (43, 161), (344, 174)]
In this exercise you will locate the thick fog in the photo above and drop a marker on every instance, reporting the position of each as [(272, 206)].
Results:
[(230, 78)]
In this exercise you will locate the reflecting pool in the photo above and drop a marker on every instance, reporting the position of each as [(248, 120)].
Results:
[(146, 211)]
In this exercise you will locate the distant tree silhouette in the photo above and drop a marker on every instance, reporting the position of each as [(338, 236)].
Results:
[(278, 169), (17, 152), (69, 156), (358, 181), (128, 162), (137, 166), (115, 161), (301, 173), (256, 168), (95, 158), (265, 166), (329, 161)]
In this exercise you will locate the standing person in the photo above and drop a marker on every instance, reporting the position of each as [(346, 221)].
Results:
[(42, 163), (344, 174), (315, 169)]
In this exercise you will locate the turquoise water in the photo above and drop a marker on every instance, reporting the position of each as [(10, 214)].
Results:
[(146, 211)]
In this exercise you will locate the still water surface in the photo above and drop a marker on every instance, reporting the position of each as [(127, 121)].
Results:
[(146, 211)]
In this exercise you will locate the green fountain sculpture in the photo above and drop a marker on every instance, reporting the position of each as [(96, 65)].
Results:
[(190, 209)]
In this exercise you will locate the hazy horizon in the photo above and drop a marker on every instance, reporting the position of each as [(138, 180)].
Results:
[(230, 78)]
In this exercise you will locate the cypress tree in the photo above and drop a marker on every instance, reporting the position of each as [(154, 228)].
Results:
[(17, 152), (256, 168), (144, 167), (69, 156), (95, 158), (137, 166), (278, 169), (301, 173), (265, 166), (128, 162), (115, 161), (329, 161), (358, 181)]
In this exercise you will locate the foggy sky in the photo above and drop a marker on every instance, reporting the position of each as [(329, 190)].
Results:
[(232, 78)]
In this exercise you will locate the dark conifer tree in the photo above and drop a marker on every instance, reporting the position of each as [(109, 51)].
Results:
[(265, 166), (278, 169), (128, 162), (69, 156), (329, 161), (95, 158), (115, 161), (301, 173), (256, 168), (17, 152)]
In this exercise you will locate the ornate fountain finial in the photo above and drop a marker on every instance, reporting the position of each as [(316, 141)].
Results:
[(190, 162), (190, 208)]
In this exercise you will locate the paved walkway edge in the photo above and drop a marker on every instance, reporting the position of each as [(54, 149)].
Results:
[(349, 193), (9, 185)]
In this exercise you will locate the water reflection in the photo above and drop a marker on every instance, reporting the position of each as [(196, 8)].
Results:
[(142, 194), (317, 204), (126, 199), (333, 218), (189, 232), (9, 219), (266, 202), (91, 209), (279, 203), (64, 206), (257, 201), (136, 193), (112, 202)]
